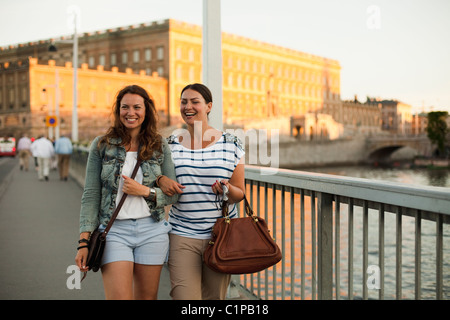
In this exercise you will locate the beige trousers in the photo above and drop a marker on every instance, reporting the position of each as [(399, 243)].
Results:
[(24, 159), (191, 279), (63, 165)]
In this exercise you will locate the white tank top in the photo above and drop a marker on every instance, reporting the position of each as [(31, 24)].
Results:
[(134, 207)]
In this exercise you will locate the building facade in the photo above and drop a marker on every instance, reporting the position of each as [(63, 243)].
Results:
[(260, 80), (29, 92), (361, 118), (396, 117)]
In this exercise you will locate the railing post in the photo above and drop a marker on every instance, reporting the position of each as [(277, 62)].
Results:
[(325, 246)]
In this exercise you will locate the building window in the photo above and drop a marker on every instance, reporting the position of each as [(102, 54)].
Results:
[(113, 59), (124, 57), (230, 80), (148, 54), (24, 94), (160, 53), (101, 60), (230, 62), (11, 96), (136, 57), (179, 72), (91, 62), (160, 71)]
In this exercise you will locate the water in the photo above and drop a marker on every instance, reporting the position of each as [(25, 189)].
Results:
[(440, 178), (426, 177)]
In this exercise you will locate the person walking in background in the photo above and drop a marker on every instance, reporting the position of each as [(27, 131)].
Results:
[(205, 159), (23, 146), (43, 150), (63, 149), (138, 241)]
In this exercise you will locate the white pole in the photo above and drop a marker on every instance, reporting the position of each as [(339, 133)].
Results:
[(75, 80), (50, 113), (212, 59), (57, 104)]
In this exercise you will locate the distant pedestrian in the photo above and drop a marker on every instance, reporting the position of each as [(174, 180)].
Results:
[(63, 149), (23, 146), (43, 150)]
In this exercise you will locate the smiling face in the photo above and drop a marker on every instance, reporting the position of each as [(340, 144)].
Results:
[(132, 111), (193, 107)]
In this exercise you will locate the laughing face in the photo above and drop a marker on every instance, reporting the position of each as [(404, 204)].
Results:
[(193, 107), (132, 111)]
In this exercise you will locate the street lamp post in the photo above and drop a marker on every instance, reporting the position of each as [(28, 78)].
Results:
[(50, 111), (53, 48), (75, 83)]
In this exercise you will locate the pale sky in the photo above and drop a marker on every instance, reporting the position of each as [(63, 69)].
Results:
[(391, 49)]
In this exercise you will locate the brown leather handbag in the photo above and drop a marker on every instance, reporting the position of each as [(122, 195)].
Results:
[(241, 245)]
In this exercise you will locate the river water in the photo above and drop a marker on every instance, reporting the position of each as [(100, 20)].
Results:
[(422, 176), (426, 177)]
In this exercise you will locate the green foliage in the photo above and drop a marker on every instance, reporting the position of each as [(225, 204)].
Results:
[(437, 129)]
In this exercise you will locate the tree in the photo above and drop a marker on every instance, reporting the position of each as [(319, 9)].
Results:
[(437, 129)]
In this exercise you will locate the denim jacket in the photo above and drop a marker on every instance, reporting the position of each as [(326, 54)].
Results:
[(103, 170)]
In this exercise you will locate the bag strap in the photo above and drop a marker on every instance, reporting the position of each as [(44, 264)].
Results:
[(248, 209), (122, 200)]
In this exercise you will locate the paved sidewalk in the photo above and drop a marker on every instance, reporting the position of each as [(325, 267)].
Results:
[(38, 239), (39, 229)]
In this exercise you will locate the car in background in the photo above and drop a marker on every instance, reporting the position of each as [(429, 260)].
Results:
[(7, 147)]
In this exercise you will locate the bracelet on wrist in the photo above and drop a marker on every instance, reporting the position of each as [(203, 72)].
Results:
[(83, 241), (81, 247), (152, 194), (157, 179)]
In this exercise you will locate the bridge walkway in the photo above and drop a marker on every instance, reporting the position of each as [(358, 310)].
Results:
[(38, 238)]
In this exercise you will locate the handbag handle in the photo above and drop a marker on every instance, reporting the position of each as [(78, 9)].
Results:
[(119, 206), (248, 209)]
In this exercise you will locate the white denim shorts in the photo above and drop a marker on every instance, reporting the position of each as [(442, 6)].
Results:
[(142, 241)]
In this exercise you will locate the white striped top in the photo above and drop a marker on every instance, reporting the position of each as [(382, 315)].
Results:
[(196, 211)]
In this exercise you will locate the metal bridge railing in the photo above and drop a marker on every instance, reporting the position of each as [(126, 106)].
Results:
[(346, 238)]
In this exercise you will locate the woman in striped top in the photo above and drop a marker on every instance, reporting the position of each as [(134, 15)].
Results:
[(204, 159)]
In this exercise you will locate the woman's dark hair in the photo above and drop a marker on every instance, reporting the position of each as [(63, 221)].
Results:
[(200, 88), (149, 139)]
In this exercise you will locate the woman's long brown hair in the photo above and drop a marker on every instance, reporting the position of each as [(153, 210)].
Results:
[(149, 139)]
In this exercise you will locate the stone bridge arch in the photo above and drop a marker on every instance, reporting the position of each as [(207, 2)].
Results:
[(381, 148), (383, 154)]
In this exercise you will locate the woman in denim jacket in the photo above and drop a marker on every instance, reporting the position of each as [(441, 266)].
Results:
[(137, 244)]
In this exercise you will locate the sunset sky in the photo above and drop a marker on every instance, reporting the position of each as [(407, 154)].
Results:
[(391, 49)]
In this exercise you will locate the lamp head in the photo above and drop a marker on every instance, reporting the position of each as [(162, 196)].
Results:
[(52, 48)]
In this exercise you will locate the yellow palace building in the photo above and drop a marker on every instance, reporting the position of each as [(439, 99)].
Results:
[(34, 93), (261, 81)]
